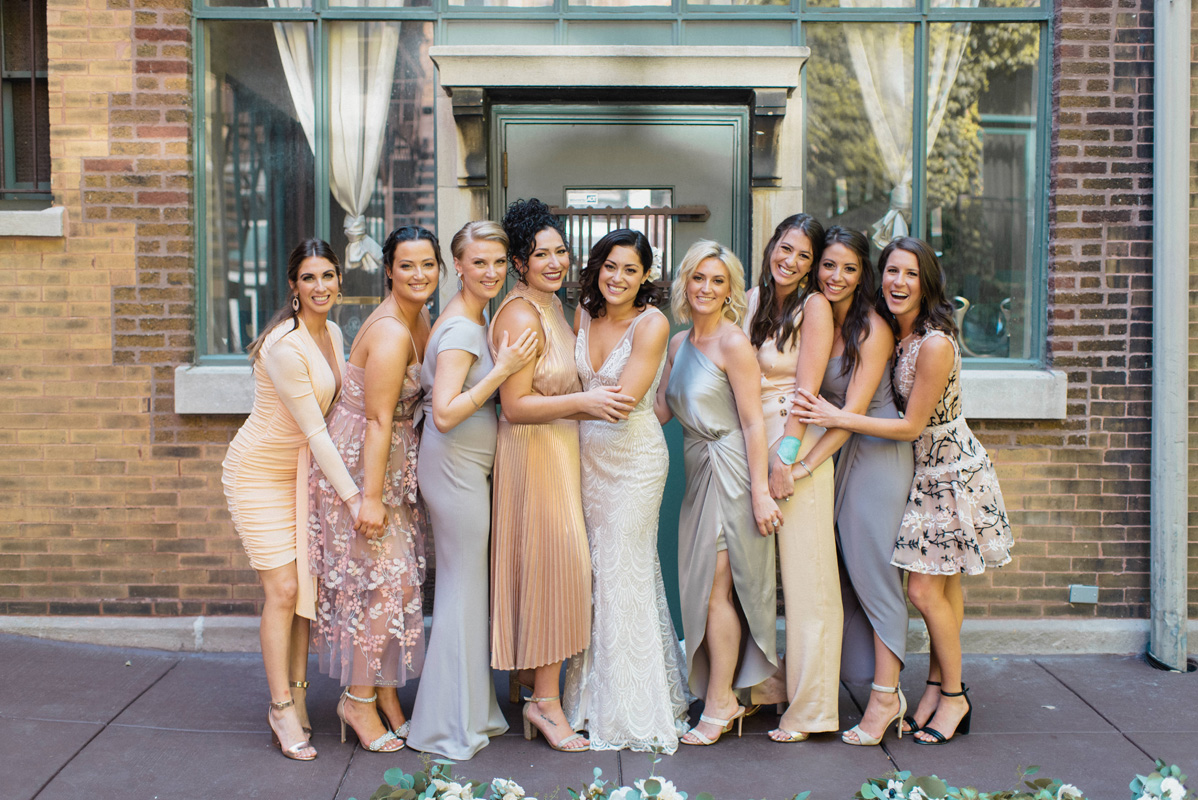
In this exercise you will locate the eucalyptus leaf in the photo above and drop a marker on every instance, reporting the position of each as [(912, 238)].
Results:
[(704, 796), (802, 796), (393, 776), (652, 787), (932, 786), (1032, 770)]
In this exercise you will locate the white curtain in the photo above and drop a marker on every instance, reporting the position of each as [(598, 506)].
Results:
[(883, 61), (362, 57)]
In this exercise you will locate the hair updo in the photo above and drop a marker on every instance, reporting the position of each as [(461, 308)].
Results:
[(522, 222)]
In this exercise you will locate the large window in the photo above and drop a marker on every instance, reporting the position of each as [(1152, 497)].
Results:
[(24, 105), (922, 116)]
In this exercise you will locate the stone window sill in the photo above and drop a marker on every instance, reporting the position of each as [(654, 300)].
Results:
[(49, 222), (988, 394)]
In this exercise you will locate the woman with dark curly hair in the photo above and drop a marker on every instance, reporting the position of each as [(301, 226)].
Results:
[(955, 522), (626, 688), (540, 563), (369, 618)]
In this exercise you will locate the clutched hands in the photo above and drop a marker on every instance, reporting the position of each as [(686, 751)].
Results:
[(814, 410), (370, 518), (608, 403)]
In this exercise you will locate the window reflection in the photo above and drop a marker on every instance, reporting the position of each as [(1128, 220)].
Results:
[(259, 179), (980, 181)]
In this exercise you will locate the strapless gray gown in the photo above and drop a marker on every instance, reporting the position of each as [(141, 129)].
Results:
[(873, 479), (717, 499)]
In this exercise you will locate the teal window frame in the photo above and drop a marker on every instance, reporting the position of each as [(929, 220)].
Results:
[(796, 14)]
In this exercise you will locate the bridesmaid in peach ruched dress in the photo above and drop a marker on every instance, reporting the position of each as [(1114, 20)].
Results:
[(540, 560), (298, 364)]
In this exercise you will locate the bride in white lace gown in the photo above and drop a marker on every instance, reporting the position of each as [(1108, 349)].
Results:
[(627, 687)]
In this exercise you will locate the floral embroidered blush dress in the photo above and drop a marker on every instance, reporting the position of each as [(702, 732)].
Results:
[(369, 627), (955, 520)]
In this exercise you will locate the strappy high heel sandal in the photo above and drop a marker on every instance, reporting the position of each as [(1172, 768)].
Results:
[(300, 751), (387, 743), (864, 739), (910, 720), (724, 725), (962, 726), (531, 730), (302, 685)]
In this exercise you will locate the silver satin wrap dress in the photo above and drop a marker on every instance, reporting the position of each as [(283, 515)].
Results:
[(717, 500)]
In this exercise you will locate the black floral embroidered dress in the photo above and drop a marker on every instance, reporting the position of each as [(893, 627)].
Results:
[(955, 520)]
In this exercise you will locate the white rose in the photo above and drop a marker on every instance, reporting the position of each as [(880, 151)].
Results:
[(1069, 792), (623, 793), (917, 793), (1172, 789)]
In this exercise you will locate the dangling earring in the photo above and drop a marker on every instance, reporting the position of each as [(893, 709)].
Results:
[(728, 300), (295, 303), (460, 287)]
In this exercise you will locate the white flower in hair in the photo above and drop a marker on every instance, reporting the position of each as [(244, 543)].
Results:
[(655, 267)]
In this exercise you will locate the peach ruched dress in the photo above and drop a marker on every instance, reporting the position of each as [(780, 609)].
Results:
[(266, 468)]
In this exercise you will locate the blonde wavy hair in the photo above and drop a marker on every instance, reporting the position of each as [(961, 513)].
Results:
[(737, 305)]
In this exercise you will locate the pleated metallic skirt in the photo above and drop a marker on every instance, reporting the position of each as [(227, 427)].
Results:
[(540, 559)]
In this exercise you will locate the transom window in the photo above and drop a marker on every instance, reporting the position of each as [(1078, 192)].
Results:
[(315, 117)]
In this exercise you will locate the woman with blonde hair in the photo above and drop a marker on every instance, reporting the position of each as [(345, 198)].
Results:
[(298, 365), (712, 384), (456, 711)]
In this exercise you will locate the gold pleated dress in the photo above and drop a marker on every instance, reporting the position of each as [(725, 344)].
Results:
[(540, 558)]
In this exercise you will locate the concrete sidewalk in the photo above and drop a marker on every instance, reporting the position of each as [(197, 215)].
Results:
[(123, 724)]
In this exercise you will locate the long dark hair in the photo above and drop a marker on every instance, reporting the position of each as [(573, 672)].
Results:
[(409, 233), (781, 325), (591, 298), (855, 328), (935, 311), (308, 248), (522, 222)]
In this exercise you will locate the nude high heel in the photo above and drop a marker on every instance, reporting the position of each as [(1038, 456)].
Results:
[(531, 730), (300, 751), (725, 725), (864, 739), (303, 685), (387, 743)]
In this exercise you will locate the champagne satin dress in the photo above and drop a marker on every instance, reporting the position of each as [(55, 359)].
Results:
[(540, 559), (266, 468), (807, 550)]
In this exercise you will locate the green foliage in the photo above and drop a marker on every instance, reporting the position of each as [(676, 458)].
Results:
[(1165, 783)]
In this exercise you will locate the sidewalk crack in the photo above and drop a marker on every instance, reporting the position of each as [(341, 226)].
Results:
[(104, 727), (1092, 707)]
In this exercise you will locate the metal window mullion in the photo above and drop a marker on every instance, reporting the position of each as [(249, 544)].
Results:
[(1043, 127), (200, 187), (919, 133), (33, 95), (320, 53)]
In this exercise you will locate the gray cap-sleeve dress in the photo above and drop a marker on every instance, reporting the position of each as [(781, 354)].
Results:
[(455, 709)]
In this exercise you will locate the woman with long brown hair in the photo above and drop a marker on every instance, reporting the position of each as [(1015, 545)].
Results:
[(955, 522), (298, 364)]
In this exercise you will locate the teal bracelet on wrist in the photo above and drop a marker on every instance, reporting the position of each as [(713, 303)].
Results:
[(788, 450)]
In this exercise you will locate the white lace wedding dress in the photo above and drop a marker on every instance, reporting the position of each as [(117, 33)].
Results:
[(627, 688)]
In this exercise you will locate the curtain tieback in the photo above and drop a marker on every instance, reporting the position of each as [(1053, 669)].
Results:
[(363, 252), (894, 223)]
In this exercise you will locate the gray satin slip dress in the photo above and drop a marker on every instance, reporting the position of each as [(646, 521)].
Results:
[(455, 709), (717, 500), (873, 479)]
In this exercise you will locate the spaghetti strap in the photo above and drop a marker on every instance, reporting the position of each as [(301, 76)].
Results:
[(369, 323)]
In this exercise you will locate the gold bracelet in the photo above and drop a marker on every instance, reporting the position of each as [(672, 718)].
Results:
[(803, 464)]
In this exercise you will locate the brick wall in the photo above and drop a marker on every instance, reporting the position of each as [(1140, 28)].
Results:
[(112, 504), (1078, 490)]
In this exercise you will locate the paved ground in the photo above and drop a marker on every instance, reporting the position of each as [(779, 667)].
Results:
[(114, 724)]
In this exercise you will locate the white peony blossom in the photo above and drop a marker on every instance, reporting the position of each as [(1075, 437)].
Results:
[(1172, 789), (623, 793), (507, 789), (668, 790), (1069, 792), (894, 790), (917, 794)]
